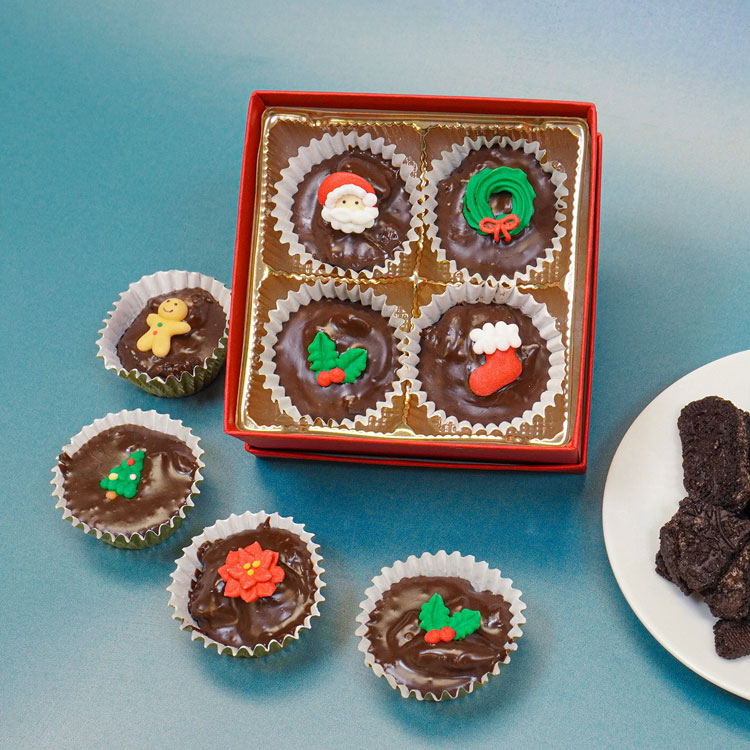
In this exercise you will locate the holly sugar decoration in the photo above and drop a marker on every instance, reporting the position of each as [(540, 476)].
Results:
[(124, 479), (329, 366), (487, 182), (436, 619), (498, 343), (348, 202)]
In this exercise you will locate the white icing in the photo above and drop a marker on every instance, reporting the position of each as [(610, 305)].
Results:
[(489, 337)]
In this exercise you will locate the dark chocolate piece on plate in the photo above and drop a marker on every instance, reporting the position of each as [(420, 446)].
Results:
[(699, 543), (730, 598), (732, 638), (716, 452)]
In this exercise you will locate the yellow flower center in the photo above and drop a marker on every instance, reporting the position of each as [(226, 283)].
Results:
[(251, 572), (256, 563), (246, 566)]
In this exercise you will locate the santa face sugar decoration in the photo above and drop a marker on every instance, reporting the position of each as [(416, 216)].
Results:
[(348, 202), (498, 343)]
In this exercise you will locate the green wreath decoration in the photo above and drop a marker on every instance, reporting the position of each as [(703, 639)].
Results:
[(477, 210)]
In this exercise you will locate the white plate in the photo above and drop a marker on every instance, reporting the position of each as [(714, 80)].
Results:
[(644, 487)]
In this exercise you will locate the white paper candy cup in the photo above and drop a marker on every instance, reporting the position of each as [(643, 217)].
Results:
[(488, 293), (451, 160), (325, 147), (127, 309), (153, 421), (335, 291), (478, 574), (188, 565)]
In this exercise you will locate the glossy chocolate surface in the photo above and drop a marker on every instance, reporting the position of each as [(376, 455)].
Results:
[(207, 323), (237, 623), (398, 643), (353, 251), (168, 472), (348, 324), (447, 359), (479, 253)]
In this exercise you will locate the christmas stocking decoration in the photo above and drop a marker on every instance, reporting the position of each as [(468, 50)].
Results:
[(498, 343)]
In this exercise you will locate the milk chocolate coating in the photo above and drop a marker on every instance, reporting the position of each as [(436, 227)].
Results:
[(479, 253), (447, 359), (398, 643), (374, 246), (348, 324), (168, 472), (188, 350), (236, 623)]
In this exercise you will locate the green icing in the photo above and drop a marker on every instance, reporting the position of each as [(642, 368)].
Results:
[(434, 615), (322, 356), (487, 182), (123, 485)]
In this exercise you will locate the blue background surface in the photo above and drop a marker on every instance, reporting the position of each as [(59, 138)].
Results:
[(120, 145)]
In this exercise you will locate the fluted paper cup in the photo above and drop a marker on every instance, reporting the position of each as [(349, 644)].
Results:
[(451, 160), (325, 147), (188, 566), (151, 420), (454, 565), (334, 291), (130, 305), (488, 293)]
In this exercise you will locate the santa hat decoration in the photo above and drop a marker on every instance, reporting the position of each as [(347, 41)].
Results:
[(339, 184), (349, 216)]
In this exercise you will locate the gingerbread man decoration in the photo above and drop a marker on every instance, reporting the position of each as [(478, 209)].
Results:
[(167, 321)]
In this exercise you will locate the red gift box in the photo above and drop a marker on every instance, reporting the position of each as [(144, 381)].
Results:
[(466, 452)]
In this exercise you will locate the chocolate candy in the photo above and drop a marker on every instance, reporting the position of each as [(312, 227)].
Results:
[(398, 643), (165, 484), (478, 253), (374, 246), (207, 324), (349, 325), (447, 360), (232, 621)]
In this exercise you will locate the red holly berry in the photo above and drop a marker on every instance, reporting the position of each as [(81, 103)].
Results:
[(324, 378), (447, 633), (337, 375), (432, 636)]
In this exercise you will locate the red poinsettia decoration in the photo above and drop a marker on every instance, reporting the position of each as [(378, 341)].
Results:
[(251, 572)]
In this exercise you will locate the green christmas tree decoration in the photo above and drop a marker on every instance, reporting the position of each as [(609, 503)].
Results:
[(123, 480)]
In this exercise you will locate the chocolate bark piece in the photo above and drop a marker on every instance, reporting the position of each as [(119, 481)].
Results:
[(398, 643), (187, 351), (732, 639), (715, 452), (234, 622), (730, 598), (699, 543)]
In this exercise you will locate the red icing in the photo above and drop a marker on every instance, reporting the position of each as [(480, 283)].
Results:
[(324, 378), (432, 636), (447, 633), (131, 461), (499, 369), (337, 375), (495, 227), (337, 179), (264, 578)]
